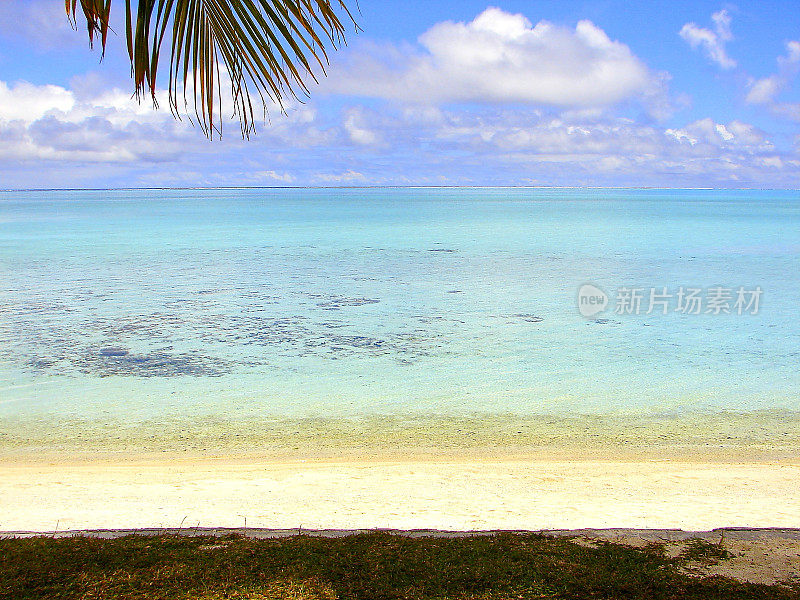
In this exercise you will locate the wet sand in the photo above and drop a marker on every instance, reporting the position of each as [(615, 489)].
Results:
[(729, 437)]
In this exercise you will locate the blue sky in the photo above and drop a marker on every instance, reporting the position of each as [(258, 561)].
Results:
[(679, 94)]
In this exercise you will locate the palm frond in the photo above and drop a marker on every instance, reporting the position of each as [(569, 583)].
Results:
[(268, 48), (96, 13)]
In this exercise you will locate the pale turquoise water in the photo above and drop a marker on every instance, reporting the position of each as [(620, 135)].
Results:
[(136, 304)]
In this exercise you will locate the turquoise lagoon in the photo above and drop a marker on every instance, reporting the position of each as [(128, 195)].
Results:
[(291, 303)]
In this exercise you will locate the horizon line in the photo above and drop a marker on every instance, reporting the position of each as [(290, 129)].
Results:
[(365, 187)]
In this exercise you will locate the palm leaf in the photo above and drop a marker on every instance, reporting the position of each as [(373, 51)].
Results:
[(268, 48)]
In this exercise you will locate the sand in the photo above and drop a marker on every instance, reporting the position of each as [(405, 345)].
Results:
[(465, 495), (693, 473), (765, 556)]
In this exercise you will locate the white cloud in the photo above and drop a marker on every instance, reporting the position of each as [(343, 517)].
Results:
[(91, 132), (516, 145), (53, 123), (27, 102), (50, 122), (499, 58), (792, 54), (273, 176), (712, 41), (733, 135), (764, 91), (615, 137), (345, 177), (357, 131), (429, 145)]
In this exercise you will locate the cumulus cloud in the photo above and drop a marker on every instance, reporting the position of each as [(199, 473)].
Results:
[(50, 122), (49, 135), (697, 154), (497, 100), (53, 123), (429, 145), (517, 145), (764, 91), (27, 102), (734, 135), (616, 137), (712, 41), (500, 58)]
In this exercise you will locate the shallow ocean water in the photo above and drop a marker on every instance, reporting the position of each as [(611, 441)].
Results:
[(351, 302)]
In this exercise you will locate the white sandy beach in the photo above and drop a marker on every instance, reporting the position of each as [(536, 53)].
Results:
[(493, 494)]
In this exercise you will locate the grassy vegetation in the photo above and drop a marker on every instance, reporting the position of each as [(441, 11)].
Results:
[(374, 566), (704, 552)]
